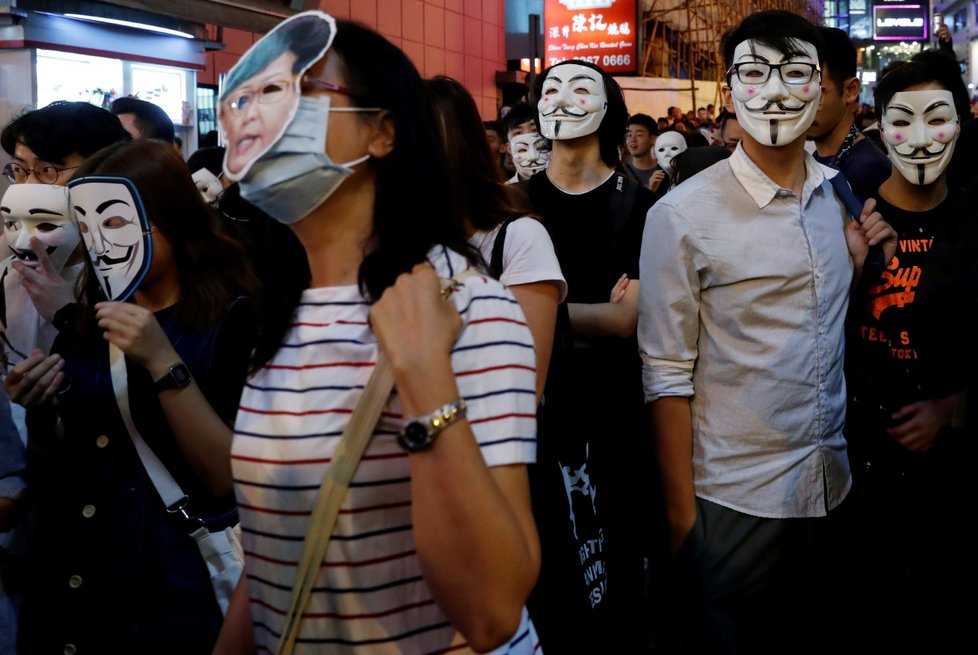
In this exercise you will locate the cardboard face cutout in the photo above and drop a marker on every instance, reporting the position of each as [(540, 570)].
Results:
[(262, 89), (775, 95), (531, 153), (573, 102), (116, 232), (41, 211), (667, 146), (920, 129)]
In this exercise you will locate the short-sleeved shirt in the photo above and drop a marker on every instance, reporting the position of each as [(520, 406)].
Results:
[(528, 254), (371, 596)]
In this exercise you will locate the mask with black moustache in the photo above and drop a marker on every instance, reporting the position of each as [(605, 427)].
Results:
[(920, 129), (38, 211)]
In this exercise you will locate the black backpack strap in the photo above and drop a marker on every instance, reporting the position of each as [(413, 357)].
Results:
[(496, 259), (874, 264), (622, 203)]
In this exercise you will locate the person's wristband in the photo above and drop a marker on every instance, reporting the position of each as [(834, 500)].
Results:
[(65, 317)]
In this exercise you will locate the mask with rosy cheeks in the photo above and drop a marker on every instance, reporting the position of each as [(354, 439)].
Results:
[(531, 153), (572, 103), (208, 184), (667, 146), (920, 129), (41, 211), (779, 109), (116, 232)]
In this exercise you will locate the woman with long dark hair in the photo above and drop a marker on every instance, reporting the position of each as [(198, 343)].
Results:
[(113, 570), (435, 548)]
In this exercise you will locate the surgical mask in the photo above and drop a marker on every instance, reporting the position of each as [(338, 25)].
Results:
[(296, 175), (572, 103), (667, 146), (41, 211), (920, 129), (775, 96)]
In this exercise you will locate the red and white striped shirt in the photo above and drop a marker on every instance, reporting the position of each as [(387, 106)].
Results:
[(370, 595)]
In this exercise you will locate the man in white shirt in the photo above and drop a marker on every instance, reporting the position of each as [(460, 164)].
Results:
[(746, 271)]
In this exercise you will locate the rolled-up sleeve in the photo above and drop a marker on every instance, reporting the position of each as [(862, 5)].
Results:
[(668, 319)]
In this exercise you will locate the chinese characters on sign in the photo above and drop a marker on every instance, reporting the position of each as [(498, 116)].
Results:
[(603, 32)]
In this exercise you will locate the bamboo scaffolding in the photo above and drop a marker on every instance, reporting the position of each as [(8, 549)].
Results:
[(681, 38)]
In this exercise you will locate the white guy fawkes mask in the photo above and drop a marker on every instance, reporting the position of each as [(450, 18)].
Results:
[(38, 210), (775, 105), (116, 232), (208, 184), (667, 146), (920, 129), (572, 102), (531, 153)]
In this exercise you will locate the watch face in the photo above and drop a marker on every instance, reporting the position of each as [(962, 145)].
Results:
[(181, 376), (415, 436)]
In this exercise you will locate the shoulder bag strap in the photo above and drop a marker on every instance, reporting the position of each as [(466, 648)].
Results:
[(173, 497)]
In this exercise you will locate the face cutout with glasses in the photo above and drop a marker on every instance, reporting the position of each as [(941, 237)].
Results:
[(254, 114), (775, 94)]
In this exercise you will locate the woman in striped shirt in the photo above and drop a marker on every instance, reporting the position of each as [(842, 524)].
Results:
[(435, 549)]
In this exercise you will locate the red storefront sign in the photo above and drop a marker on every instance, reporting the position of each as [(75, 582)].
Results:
[(603, 32)]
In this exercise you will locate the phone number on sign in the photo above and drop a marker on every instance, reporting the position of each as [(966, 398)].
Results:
[(603, 60)]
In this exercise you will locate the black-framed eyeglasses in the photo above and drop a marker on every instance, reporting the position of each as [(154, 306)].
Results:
[(267, 94), (759, 72), (46, 174)]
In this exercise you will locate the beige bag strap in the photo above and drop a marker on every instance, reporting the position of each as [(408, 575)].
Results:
[(353, 443)]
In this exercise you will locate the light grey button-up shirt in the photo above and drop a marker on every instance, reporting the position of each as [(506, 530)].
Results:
[(743, 300)]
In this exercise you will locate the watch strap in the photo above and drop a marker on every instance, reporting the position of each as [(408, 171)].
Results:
[(176, 377)]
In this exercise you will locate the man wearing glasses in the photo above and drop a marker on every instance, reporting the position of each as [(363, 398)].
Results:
[(741, 335)]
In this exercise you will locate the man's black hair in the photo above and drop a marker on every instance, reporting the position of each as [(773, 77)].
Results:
[(151, 121), (838, 55), (611, 132), (645, 121), (63, 128), (781, 30), (519, 114), (924, 67), (211, 158)]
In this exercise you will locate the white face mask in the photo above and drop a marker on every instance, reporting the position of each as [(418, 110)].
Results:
[(208, 184), (38, 210), (779, 109), (920, 129), (116, 232), (667, 146), (531, 153), (572, 103)]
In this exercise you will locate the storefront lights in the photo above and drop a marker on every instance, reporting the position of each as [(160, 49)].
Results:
[(126, 23)]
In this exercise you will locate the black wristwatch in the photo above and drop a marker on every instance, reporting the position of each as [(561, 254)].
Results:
[(420, 431), (176, 378)]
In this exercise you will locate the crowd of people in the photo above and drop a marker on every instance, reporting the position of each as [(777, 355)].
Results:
[(678, 386)]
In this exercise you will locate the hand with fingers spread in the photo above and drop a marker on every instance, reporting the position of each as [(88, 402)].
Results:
[(137, 333), (48, 290), (35, 380)]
